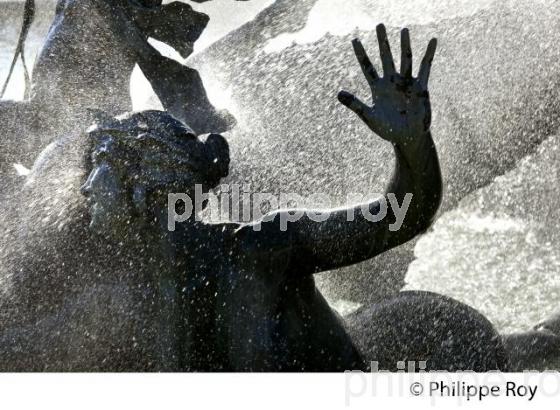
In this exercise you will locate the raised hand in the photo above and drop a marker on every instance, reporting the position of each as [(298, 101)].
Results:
[(401, 111)]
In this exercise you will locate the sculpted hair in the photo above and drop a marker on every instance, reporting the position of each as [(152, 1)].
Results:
[(158, 150), (155, 152)]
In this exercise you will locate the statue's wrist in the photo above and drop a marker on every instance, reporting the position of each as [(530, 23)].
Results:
[(414, 142), (415, 149)]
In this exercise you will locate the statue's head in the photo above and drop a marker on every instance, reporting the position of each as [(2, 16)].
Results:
[(138, 159)]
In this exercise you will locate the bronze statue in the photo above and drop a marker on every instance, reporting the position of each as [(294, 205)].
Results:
[(241, 297), (217, 297), (84, 68)]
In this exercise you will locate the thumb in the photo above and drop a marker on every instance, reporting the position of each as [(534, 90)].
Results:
[(353, 103)]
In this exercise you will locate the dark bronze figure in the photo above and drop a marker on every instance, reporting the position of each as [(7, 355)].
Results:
[(241, 297), (84, 68), (226, 296)]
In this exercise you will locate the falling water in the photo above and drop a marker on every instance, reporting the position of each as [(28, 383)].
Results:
[(340, 17), (495, 95)]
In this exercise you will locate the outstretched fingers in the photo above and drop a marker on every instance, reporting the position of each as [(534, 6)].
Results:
[(385, 51), (365, 63), (425, 67), (406, 54)]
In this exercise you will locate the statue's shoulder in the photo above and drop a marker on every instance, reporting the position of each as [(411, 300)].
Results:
[(69, 150)]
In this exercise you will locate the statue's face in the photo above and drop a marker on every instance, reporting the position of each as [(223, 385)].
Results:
[(138, 159), (109, 206)]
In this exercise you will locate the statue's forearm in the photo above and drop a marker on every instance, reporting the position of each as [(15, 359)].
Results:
[(417, 173), (349, 236)]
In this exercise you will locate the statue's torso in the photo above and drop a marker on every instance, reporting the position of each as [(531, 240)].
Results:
[(257, 313)]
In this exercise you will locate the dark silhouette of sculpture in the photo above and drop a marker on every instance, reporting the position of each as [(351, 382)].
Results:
[(84, 67), (236, 298), (228, 296), (82, 73)]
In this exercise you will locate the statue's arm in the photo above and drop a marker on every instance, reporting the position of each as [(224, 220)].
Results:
[(400, 114), (353, 235), (179, 88)]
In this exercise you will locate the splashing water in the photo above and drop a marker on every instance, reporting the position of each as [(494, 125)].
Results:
[(225, 18), (482, 99), (506, 237), (341, 17), (498, 261)]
